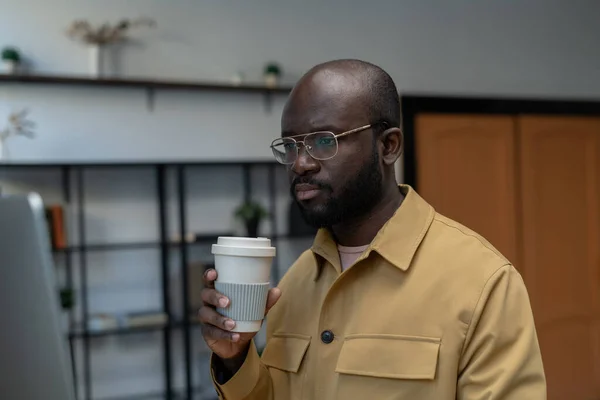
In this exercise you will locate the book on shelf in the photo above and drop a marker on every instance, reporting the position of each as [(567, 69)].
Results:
[(106, 321), (102, 322), (150, 318), (55, 219), (189, 238)]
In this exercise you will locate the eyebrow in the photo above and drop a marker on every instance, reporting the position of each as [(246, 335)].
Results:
[(322, 128)]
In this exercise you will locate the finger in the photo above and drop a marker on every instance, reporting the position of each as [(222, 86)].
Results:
[(211, 332), (210, 276), (214, 298), (210, 316), (273, 297), (246, 337)]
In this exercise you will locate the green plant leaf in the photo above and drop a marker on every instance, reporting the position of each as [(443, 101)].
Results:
[(67, 298), (248, 211), (11, 54), (273, 68)]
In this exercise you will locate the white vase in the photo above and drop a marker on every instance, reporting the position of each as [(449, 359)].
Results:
[(96, 60), (271, 80), (3, 151), (10, 67), (237, 79)]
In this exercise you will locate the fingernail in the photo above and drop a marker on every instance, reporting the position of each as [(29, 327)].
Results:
[(235, 337), (229, 324), (223, 302)]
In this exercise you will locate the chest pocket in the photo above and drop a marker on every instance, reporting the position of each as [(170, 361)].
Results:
[(285, 351), (283, 355), (387, 367)]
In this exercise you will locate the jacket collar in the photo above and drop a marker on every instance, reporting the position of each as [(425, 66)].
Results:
[(397, 241)]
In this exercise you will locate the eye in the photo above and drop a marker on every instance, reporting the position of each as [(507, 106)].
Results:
[(326, 141), (289, 146)]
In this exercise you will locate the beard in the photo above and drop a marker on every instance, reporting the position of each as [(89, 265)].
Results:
[(355, 199)]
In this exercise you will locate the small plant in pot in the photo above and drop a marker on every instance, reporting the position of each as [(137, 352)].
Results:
[(251, 214), (67, 302), (11, 59), (67, 298), (272, 74)]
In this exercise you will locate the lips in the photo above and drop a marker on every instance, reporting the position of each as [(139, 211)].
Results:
[(306, 191)]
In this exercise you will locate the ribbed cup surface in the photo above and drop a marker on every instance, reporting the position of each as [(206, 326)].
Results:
[(247, 300)]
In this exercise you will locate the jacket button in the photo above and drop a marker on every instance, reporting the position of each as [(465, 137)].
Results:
[(327, 337)]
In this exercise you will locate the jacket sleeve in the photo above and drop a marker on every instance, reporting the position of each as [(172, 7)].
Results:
[(252, 381), (501, 357)]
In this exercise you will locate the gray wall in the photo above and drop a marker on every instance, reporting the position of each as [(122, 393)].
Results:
[(532, 48)]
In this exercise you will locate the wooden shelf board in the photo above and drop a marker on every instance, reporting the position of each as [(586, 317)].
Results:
[(137, 164), (140, 83)]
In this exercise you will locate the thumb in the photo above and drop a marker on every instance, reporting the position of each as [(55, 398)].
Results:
[(273, 297)]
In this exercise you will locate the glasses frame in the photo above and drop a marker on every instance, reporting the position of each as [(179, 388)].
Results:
[(305, 135)]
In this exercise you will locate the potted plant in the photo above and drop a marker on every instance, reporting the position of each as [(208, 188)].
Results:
[(251, 214), (272, 74), (99, 38), (67, 298), (11, 58), (67, 302)]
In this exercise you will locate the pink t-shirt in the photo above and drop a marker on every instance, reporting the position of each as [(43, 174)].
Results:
[(348, 255)]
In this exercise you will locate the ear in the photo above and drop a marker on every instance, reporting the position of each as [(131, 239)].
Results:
[(392, 142)]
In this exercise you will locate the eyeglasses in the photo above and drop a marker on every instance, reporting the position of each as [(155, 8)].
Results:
[(321, 145)]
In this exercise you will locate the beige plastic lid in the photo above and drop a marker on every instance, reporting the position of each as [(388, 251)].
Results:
[(243, 246)]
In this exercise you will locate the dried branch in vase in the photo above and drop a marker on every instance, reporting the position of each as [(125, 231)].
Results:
[(18, 125), (106, 33)]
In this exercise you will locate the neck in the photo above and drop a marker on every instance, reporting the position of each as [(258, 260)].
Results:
[(362, 230)]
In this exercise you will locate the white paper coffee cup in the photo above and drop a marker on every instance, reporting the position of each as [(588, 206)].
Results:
[(244, 270)]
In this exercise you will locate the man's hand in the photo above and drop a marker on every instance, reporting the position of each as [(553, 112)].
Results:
[(216, 329)]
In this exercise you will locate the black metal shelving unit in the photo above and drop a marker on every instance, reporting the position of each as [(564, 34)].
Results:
[(75, 172)]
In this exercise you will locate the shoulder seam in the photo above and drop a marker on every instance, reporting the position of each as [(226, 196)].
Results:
[(477, 304), (486, 245)]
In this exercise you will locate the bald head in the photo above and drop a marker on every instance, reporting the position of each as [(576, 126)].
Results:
[(351, 84)]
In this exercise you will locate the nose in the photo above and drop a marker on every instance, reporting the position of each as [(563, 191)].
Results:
[(304, 163)]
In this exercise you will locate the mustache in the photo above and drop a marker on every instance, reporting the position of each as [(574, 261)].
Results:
[(309, 181)]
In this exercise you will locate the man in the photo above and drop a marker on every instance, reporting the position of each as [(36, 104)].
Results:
[(393, 300)]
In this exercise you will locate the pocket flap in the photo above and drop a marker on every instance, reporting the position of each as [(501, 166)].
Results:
[(285, 351), (389, 356)]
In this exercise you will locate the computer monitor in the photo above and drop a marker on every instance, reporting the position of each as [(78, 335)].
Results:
[(34, 358)]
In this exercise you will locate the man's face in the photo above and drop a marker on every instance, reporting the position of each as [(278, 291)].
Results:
[(348, 185)]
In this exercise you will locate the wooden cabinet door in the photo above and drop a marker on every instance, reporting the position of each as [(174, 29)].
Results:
[(560, 185), (466, 170)]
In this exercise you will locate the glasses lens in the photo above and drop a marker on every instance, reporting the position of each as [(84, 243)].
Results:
[(285, 150), (321, 145)]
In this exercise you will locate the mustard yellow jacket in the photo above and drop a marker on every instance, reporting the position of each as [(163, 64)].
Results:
[(430, 311)]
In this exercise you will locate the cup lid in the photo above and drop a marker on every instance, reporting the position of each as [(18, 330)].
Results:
[(243, 241), (243, 246)]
